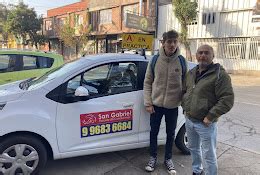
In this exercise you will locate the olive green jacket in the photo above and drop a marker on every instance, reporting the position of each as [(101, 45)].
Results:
[(211, 96)]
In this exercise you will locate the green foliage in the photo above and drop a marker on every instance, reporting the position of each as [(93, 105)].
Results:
[(73, 36), (66, 34), (3, 17), (23, 22), (185, 11)]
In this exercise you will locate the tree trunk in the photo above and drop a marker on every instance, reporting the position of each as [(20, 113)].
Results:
[(184, 33), (188, 51)]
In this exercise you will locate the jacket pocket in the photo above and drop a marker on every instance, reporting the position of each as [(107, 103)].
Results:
[(199, 107)]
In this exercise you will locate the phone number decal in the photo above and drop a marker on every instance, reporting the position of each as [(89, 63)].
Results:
[(106, 122), (108, 128)]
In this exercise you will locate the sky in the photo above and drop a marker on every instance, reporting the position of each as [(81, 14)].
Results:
[(41, 6)]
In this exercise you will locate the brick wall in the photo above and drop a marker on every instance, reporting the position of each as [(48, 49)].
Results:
[(79, 6)]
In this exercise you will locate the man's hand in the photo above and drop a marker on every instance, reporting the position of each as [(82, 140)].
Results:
[(206, 121), (149, 109)]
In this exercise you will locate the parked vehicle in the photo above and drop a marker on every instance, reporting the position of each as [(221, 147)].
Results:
[(21, 64), (92, 105)]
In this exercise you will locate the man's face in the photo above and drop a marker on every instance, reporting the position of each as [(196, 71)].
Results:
[(204, 56), (170, 45)]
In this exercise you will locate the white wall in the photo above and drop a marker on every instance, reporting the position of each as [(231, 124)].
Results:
[(232, 19)]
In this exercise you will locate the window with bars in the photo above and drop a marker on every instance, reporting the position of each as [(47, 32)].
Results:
[(78, 20), (208, 18), (106, 16), (94, 20), (48, 25)]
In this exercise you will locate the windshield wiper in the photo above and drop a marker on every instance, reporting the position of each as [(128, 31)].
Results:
[(25, 84)]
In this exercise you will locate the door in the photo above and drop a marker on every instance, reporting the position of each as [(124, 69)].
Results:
[(108, 117)]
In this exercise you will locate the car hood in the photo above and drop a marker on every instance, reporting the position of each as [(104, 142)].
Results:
[(10, 91)]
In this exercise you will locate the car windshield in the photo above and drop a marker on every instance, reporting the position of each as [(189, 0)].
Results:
[(52, 74)]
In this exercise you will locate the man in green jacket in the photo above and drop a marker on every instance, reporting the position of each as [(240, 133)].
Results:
[(209, 94)]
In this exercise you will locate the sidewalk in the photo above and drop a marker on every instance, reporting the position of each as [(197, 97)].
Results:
[(231, 161), (245, 80)]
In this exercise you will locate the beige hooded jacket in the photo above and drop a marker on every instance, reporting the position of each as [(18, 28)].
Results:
[(165, 89)]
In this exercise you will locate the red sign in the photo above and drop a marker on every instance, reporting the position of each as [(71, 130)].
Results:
[(106, 117), (108, 122)]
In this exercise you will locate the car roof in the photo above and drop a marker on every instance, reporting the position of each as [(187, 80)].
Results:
[(106, 57), (30, 52)]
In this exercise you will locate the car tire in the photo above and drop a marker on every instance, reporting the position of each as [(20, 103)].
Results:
[(22, 153), (181, 141)]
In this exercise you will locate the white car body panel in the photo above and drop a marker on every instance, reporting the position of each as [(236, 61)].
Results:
[(31, 111), (30, 114)]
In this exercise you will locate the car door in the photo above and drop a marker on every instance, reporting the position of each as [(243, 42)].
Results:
[(107, 118)]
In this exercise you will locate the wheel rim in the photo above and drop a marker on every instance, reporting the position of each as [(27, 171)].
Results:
[(185, 139), (19, 159)]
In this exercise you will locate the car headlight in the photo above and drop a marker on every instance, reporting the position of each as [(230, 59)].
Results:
[(2, 105)]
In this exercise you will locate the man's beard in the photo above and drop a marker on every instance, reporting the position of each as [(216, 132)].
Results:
[(203, 64)]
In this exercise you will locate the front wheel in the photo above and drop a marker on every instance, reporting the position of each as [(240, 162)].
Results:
[(22, 155), (181, 141)]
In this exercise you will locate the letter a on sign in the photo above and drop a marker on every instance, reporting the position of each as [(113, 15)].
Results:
[(129, 38)]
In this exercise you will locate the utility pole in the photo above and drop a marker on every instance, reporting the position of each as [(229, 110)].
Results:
[(140, 7)]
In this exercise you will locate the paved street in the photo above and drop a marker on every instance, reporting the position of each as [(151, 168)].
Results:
[(238, 147), (241, 126)]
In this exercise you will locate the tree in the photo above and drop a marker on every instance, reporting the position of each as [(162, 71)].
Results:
[(185, 11), (23, 23), (68, 36), (3, 17)]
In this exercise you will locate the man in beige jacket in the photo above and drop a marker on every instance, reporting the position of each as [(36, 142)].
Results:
[(162, 96)]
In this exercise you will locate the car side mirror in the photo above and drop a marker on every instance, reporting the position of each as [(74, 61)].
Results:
[(81, 92)]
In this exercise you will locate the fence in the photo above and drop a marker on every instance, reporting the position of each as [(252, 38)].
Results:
[(235, 54)]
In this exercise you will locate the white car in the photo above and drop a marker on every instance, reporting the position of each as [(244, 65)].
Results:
[(92, 105)]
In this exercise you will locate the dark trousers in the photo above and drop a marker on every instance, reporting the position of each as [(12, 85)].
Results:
[(171, 116)]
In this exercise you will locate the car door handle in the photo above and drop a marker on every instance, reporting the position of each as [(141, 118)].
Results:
[(128, 105)]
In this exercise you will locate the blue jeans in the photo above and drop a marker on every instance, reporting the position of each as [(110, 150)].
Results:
[(202, 144), (171, 116)]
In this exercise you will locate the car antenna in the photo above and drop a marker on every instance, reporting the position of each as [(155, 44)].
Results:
[(142, 53)]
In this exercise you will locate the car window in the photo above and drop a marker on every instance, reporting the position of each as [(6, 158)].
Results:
[(10, 63), (100, 72), (72, 85), (106, 80), (4, 62), (17, 62), (44, 62), (54, 73), (36, 62), (29, 62)]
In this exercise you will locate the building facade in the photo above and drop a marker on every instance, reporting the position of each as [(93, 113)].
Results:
[(232, 27), (107, 20)]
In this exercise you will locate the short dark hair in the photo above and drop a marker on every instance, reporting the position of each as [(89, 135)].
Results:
[(172, 34)]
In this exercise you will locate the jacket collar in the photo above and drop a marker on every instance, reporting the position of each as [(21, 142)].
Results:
[(212, 68), (167, 58)]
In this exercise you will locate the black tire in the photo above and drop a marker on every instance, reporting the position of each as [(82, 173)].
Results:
[(180, 141), (31, 144)]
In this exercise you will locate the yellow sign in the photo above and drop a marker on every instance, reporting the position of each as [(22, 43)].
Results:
[(136, 41)]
